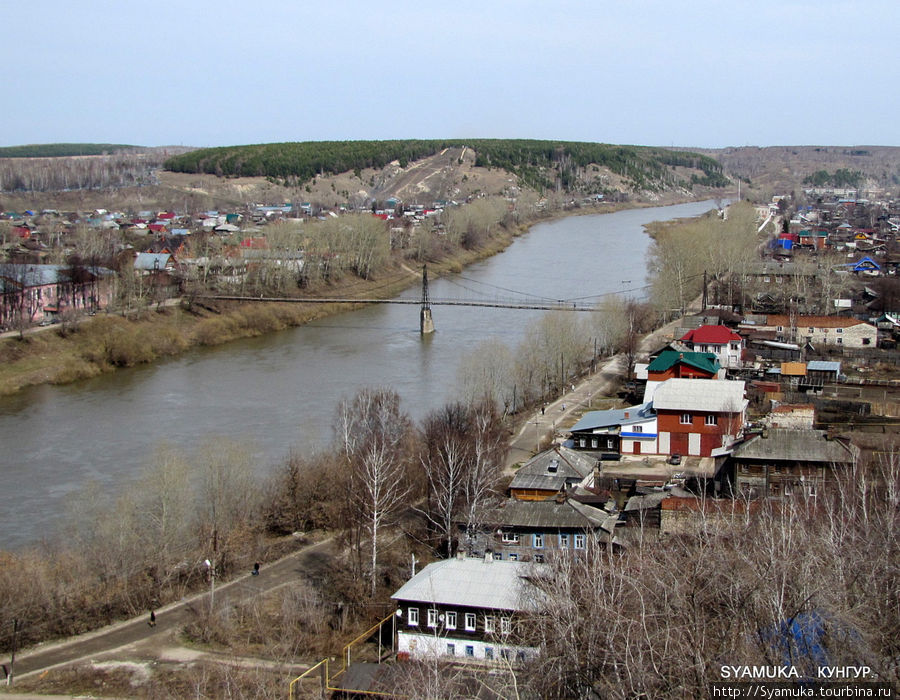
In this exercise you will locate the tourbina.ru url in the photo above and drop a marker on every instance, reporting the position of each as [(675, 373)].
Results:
[(771, 690)]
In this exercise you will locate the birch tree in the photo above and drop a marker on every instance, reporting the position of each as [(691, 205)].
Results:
[(373, 434)]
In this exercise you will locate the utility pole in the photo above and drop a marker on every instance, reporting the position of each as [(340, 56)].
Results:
[(12, 658)]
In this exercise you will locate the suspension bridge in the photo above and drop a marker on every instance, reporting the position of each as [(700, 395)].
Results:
[(521, 300)]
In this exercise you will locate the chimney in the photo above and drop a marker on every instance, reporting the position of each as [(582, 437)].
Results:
[(627, 414)]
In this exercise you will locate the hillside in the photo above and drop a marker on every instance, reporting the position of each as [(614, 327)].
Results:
[(545, 166), (779, 169)]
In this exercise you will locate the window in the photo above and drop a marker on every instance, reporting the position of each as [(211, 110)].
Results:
[(451, 621), (470, 622), (412, 617), (564, 540), (637, 428), (489, 653), (581, 442), (711, 420), (506, 654), (451, 650), (840, 341), (579, 541), (513, 556), (505, 625), (539, 558), (537, 540), (488, 624), (865, 341), (811, 330), (594, 443), (432, 617), (470, 651), (510, 538), (685, 418), (839, 330), (520, 656)]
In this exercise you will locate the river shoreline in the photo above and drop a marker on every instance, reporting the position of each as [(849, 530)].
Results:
[(47, 356)]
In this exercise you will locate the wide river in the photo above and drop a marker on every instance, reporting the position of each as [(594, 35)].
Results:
[(279, 392)]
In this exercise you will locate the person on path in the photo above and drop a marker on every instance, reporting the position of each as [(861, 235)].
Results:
[(152, 622)]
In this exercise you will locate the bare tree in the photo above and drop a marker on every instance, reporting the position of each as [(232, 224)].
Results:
[(374, 435)]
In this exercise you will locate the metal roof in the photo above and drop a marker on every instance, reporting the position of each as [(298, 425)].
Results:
[(705, 361), (714, 395), (823, 366), (616, 416), (477, 583)]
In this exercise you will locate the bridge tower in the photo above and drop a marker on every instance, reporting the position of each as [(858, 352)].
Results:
[(426, 323)]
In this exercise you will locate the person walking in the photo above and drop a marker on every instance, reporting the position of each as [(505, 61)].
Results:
[(152, 622)]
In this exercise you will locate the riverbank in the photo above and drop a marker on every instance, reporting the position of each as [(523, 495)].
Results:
[(108, 342)]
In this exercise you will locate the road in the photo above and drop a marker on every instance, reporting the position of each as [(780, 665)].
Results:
[(171, 618), (564, 411)]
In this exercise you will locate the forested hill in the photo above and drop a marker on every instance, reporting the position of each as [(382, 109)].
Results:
[(61, 150), (538, 164)]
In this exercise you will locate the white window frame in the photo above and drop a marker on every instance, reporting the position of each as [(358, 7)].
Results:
[(637, 428), (488, 624), (537, 540), (689, 420), (711, 419), (579, 540), (432, 617), (451, 649), (412, 617), (505, 625), (450, 620), (564, 540), (509, 538), (469, 621)]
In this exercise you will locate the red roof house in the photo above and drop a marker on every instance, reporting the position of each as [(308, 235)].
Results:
[(721, 340)]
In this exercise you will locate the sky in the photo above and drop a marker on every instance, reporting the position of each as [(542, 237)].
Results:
[(696, 73)]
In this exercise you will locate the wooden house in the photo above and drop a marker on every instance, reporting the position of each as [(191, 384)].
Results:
[(781, 463), (467, 609), (528, 530), (552, 472)]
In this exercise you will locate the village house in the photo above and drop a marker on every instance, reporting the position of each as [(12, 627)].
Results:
[(468, 609), (698, 418), (780, 463), (552, 472), (822, 330), (723, 342), (35, 293), (630, 431), (529, 530)]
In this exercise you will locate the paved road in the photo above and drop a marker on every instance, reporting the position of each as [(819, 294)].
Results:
[(174, 616), (562, 413)]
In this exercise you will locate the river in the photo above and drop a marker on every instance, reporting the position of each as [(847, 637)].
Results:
[(279, 392)]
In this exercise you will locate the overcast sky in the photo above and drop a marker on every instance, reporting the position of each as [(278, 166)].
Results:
[(698, 73)]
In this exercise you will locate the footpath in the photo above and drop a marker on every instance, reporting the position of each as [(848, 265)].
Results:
[(160, 640)]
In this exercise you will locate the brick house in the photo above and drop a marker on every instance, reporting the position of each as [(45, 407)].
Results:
[(698, 418), (823, 330)]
